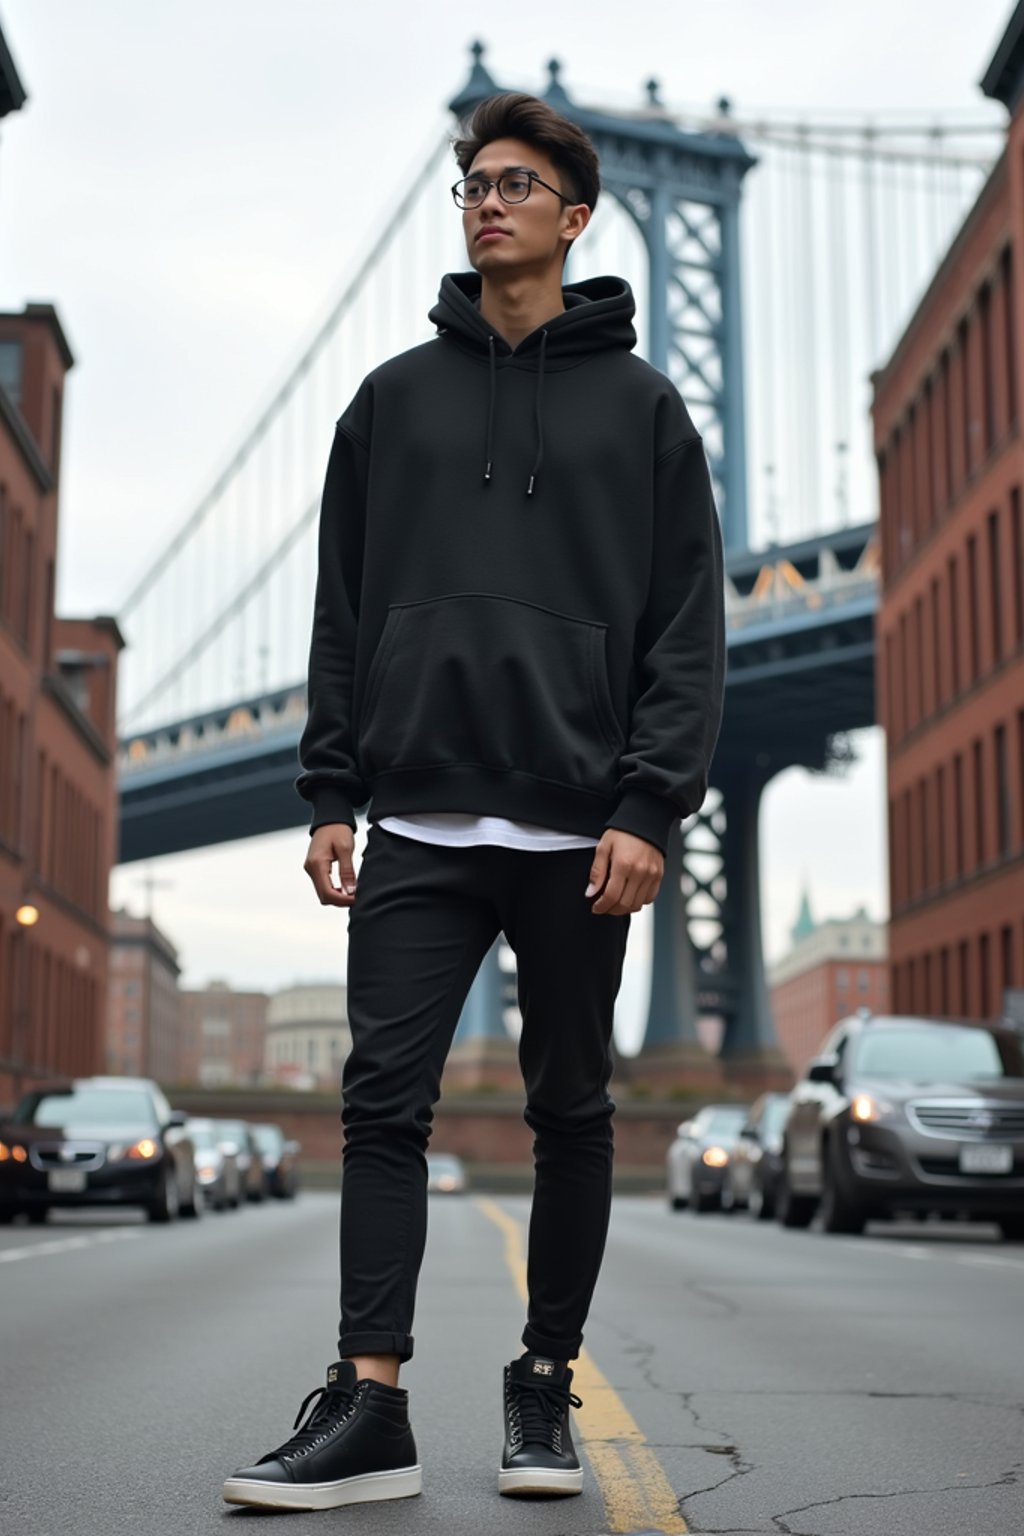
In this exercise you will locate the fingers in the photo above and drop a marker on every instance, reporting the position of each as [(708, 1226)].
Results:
[(329, 846), (631, 881)]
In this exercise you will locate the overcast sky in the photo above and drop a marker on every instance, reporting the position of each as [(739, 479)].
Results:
[(191, 181)]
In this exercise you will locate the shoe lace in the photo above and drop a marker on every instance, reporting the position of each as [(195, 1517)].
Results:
[(538, 1410), (333, 1406)]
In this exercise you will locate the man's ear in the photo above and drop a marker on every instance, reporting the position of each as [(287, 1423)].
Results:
[(576, 220)]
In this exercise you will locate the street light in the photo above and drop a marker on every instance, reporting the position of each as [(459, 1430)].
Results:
[(26, 917)]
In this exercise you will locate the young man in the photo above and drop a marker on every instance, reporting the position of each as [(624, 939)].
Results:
[(518, 651)]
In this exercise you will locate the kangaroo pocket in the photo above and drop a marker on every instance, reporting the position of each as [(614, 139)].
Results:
[(496, 681)]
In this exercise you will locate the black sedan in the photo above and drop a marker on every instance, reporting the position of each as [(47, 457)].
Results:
[(97, 1141), (905, 1114), (755, 1161), (238, 1141), (280, 1159)]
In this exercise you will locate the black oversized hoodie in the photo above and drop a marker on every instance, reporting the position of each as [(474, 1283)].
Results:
[(519, 607)]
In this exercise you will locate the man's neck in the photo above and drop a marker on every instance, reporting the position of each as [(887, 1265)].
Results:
[(516, 307)]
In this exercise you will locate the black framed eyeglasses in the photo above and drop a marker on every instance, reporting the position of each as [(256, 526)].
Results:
[(513, 186)]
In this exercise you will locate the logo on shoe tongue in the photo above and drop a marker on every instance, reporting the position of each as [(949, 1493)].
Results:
[(543, 1367), (332, 1375)]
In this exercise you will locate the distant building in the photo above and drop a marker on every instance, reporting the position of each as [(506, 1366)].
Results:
[(950, 669), (833, 968), (223, 1034), (58, 683), (143, 1015), (308, 1035)]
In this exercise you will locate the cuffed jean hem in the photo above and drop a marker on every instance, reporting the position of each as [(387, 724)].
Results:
[(553, 1349), (400, 1344)]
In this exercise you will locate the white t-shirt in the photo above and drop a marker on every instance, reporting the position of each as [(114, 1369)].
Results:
[(462, 829)]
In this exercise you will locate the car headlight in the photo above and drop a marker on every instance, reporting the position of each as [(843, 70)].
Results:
[(865, 1107), (715, 1157), (139, 1151), (12, 1152)]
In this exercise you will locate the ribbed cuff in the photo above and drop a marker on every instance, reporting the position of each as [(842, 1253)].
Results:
[(647, 816), (330, 805)]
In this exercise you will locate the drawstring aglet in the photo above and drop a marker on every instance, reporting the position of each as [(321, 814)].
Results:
[(487, 474), (529, 488)]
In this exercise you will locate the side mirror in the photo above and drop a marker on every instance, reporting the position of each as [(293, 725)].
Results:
[(824, 1069), (178, 1117)]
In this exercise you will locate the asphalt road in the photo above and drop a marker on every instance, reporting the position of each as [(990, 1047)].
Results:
[(776, 1382)]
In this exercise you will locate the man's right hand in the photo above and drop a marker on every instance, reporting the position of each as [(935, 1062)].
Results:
[(328, 844)]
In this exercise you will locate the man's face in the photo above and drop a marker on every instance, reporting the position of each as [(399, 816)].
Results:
[(512, 237)]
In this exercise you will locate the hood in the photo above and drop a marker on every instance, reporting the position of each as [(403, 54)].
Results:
[(598, 317), (81, 1130), (1008, 1090), (598, 314)]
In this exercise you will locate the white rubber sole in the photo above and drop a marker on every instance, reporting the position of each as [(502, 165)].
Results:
[(365, 1489), (524, 1480)]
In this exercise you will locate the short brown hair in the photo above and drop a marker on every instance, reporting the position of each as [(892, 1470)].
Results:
[(515, 115)]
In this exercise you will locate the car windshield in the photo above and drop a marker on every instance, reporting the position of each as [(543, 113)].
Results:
[(943, 1054), (774, 1117), (86, 1105), (228, 1130), (202, 1136), (442, 1162), (723, 1122), (269, 1139)]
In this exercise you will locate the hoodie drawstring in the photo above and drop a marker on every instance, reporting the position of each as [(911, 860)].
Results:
[(538, 413), (490, 412), (539, 416)]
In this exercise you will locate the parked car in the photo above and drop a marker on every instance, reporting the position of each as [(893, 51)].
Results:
[(446, 1173), (907, 1114), (754, 1163), (216, 1166), (697, 1159), (280, 1161), (106, 1141), (236, 1137)]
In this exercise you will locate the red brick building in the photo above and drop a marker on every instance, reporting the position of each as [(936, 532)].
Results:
[(143, 1036), (951, 627), (222, 1037), (58, 811), (833, 968)]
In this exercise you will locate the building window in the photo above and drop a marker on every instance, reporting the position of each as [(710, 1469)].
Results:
[(954, 621), (842, 979), (944, 980), (972, 605), (1010, 349), (939, 694), (979, 804), (863, 980), (940, 823), (983, 965), (10, 371), (988, 414), (1006, 956), (947, 425), (1002, 791), (995, 577), (958, 812)]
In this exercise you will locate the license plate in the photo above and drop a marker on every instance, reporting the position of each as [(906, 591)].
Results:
[(986, 1159), (67, 1181)]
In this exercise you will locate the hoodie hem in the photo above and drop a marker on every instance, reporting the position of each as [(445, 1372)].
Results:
[(482, 791)]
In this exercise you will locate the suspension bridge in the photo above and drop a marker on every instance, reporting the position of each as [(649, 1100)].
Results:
[(774, 264)]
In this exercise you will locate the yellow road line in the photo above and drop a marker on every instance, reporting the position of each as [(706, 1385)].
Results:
[(637, 1494)]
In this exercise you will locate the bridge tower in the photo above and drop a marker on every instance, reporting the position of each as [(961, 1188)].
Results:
[(682, 191)]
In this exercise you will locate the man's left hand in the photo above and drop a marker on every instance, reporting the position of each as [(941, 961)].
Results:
[(629, 868)]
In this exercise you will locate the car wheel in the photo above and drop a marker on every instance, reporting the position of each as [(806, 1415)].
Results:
[(759, 1205), (1012, 1228), (6, 1215), (702, 1202), (197, 1205), (37, 1214), (838, 1212), (167, 1203), (727, 1199), (677, 1202), (793, 1210)]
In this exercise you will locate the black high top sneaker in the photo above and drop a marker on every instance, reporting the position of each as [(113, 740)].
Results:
[(356, 1446), (539, 1456)]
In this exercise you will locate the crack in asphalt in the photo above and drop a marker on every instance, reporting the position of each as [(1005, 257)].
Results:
[(1007, 1480)]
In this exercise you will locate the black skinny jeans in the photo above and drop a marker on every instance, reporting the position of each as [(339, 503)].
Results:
[(424, 918)]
